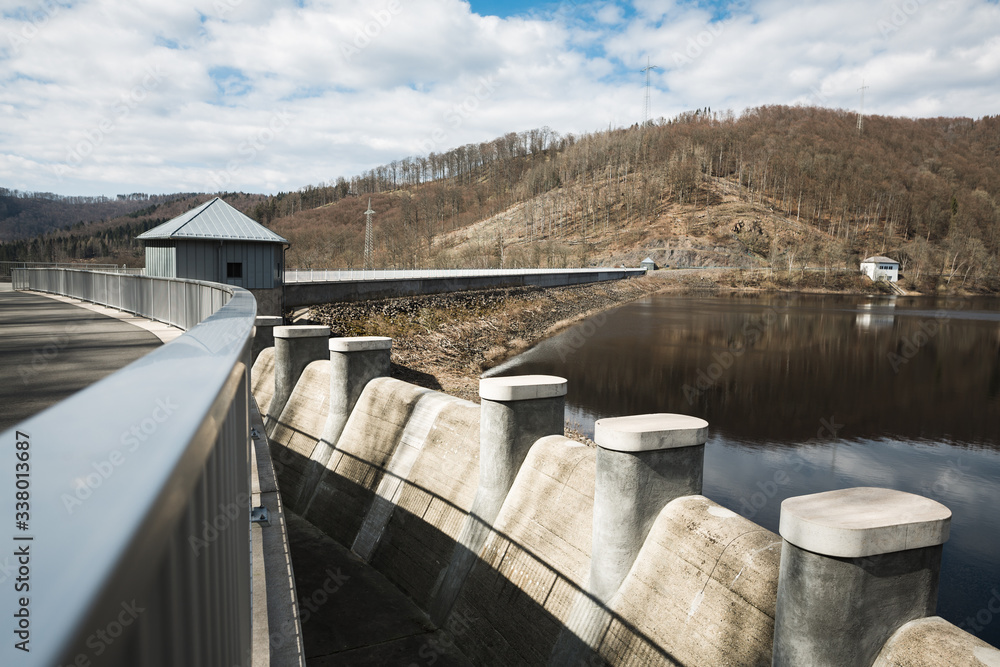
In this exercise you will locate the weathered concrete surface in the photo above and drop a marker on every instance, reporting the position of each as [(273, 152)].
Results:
[(352, 615), (648, 433), (295, 347), (863, 521), (514, 413), (263, 336), (269, 301), (840, 611), (431, 505), (296, 432), (262, 378), (701, 592), (856, 564), (534, 562), (643, 462), (934, 642), (51, 349), (348, 486), (632, 489), (354, 362)]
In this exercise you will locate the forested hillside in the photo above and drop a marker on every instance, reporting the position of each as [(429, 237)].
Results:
[(112, 239), (776, 186), (28, 214), (783, 187)]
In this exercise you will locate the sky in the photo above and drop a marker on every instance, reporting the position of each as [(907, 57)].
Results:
[(106, 97)]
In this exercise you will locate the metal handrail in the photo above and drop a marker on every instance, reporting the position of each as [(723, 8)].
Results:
[(138, 521)]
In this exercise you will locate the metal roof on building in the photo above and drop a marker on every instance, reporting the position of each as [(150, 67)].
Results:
[(213, 220), (879, 259)]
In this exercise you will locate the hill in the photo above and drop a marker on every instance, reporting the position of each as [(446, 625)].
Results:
[(28, 214), (112, 239), (780, 187)]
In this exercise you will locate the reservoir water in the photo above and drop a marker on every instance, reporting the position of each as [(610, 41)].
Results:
[(809, 393)]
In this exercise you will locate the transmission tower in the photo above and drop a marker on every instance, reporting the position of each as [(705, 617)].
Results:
[(369, 236), (645, 70), (861, 115)]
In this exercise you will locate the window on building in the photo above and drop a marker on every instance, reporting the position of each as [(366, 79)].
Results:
[(234, 270)]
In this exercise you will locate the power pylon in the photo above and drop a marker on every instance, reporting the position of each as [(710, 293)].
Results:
[(369, 236), (861, 115), (645, 70)]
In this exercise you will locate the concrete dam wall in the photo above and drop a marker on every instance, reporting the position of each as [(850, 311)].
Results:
[(554, 552)]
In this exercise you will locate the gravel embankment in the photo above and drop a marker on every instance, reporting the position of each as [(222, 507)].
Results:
[(445, 341)]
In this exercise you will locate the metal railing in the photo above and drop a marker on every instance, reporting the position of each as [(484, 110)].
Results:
[(180, 303), (134, 522), (336, 275), (7, 268)]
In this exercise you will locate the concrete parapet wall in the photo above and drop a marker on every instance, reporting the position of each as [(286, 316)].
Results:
[(934, 642), (349, 483), (262, 379), (702, 590), (431, 504), (398, 488), (535, 561), (300, 427)]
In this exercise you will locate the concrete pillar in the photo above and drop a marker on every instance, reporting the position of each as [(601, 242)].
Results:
[(856, 564), (295, 347), (264, 334), (643, 462), (354, 362), (515, 412)]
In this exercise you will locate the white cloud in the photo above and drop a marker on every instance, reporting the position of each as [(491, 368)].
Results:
[(107, 96)]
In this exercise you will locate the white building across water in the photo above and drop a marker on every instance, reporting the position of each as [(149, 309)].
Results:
[(881, 268)]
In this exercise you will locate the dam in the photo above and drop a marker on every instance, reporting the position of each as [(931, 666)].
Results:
[(424, 529), (517, 545)]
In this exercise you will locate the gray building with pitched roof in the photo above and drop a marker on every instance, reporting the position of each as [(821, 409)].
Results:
[(215, 242)]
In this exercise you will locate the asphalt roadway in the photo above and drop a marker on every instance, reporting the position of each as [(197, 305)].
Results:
[(50, 349)]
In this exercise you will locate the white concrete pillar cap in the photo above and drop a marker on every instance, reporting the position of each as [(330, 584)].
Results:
[(268, 321), (302, 331), (646, 433), (863, 521), (360, 344), (521, 387)]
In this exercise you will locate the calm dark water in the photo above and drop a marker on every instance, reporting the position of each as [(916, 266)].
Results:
[(808, 393)]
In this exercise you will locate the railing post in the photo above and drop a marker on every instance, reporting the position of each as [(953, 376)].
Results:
[(856, 564), (643, 462), (295, 347)]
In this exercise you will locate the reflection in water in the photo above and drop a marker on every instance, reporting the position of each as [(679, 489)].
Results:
[(876, 314), (811, 393)]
